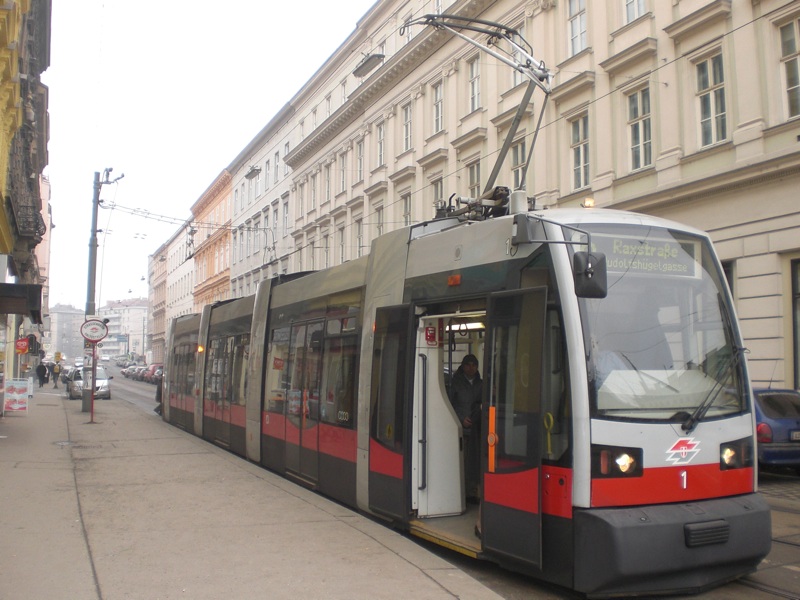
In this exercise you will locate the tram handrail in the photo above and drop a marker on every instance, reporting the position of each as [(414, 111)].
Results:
[(423, 441)]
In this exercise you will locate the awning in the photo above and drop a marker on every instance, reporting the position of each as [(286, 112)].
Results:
[(21, 299)]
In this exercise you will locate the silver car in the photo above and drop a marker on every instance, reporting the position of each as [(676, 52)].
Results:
[(80, 377)]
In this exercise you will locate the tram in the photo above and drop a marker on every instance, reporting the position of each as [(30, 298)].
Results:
[(179, 377), (616, 437)]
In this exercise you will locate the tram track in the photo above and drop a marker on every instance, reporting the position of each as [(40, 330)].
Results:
[(767, 589), (786, 543)]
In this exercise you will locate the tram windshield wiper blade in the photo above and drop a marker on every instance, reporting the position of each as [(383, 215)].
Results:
[(702, 409), (700, 412)]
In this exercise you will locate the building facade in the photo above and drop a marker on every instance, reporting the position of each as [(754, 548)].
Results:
[(127, 327), (25, 43), (688, 110), (262, 215), (211, 216), (65, 337), (157, 301)]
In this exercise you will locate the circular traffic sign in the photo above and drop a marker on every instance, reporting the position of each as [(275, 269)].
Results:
[(94, 330)]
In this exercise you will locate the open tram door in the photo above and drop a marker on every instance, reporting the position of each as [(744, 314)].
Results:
[(439, 443), (512, 447)]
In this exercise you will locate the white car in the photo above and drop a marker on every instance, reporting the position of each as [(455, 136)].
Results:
[(79, 377)]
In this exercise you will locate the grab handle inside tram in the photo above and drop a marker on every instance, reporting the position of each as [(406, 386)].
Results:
[(423, 441)]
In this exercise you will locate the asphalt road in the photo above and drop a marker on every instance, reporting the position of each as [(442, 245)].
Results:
[(777, 577)]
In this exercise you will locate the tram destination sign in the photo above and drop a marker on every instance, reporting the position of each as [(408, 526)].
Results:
[(648, 256)]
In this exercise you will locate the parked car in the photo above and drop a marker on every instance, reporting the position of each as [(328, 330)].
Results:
[(130, 371), (78, 377), (150, 372), (778, 428), (65, 373)]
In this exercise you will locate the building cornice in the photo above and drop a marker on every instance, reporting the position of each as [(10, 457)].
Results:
[(710, 13), (212, 194), (720, 182), (641, 50), (395, 69)]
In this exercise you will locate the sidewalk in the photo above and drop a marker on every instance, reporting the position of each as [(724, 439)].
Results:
[(130, 507)]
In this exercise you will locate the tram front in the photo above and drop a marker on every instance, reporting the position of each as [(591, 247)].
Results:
[(667, 499)]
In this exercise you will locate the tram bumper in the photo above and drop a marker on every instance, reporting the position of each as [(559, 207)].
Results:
[(669, 548)]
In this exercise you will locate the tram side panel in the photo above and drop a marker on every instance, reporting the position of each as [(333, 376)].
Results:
[(310, 379), (179, 381), (383, 469), (200, 369), (224, 382), (256, 371)]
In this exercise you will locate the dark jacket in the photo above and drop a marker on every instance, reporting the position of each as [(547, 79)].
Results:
[(466, 397)]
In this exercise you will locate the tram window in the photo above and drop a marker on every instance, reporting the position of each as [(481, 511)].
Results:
[(334, 327), (388, 376), (313, 369), (555, 392), (277, 368), (516, 376), (339, 380), (294, 383), (214, 380), (305, 362), (239, 379), (191, 367), (181, 376)]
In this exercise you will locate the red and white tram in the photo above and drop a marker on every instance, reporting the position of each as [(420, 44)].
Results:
[(617, 431)]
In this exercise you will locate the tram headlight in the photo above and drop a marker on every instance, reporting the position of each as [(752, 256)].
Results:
[(616, 461), (736, 455)]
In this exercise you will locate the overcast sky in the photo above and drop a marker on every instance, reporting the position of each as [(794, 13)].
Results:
[(167, 93)]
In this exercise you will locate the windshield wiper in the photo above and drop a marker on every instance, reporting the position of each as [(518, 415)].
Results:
[(700, 412)]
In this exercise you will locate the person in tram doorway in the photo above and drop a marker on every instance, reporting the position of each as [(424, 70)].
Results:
[(159, 406), (41, 373), (465, 396)]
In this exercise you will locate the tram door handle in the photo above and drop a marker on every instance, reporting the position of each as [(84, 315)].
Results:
[(423, 428)]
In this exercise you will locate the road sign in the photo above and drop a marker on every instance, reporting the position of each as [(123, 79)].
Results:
[(94, 330)]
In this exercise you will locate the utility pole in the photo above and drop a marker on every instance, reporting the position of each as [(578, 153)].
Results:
[(90, 291), (88, 391)]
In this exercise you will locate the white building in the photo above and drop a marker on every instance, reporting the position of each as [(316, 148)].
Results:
[(688, 109), (127, 327), (262, 218)]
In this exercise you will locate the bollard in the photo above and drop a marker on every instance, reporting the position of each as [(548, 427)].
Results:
[(86, 406)]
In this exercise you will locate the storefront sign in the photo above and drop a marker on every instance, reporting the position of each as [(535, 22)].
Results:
[(17, 394)]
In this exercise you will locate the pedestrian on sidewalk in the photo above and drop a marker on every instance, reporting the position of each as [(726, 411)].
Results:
[(41, 373), (56, 375)]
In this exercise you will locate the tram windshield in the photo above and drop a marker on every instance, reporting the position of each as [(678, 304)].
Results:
[(660, 346)]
